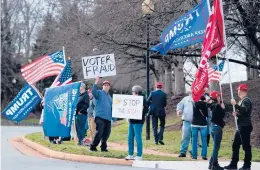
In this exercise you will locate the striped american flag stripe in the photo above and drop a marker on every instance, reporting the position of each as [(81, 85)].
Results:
[(41, 71), (37, 68), (43, 75), (66, 82), (213, 75), (36, 62)]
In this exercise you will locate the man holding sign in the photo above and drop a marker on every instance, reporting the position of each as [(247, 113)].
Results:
[(103, 115)]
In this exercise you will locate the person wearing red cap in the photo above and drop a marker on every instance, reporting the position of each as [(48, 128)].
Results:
[(103, 115), (157, 102), (242, 137), (217, 124)]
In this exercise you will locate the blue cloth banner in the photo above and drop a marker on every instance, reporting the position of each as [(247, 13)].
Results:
[(186, 30), (59, 108), (22, 104)]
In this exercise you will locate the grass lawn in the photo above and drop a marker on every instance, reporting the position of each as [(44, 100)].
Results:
[(71, 147), (172, 140)]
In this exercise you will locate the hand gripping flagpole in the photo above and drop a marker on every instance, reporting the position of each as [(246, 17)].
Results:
[(225, 52)]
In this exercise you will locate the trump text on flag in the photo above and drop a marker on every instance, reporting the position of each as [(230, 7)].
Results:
[(22, 104), (101, 65), (127, 106)]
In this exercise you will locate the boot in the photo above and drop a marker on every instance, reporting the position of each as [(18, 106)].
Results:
[(231, 167), (216, 167)]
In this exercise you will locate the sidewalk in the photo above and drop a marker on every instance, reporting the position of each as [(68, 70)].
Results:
[(185, 165)]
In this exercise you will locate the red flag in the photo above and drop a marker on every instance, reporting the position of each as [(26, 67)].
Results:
[(199, 84), (214, 41)]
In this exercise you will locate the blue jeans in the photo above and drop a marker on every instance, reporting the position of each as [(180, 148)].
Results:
[(186, 133), (135, 131), (216, 132), (203, 134), (80, 121)]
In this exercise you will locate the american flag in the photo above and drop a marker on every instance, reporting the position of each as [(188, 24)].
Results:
[(65, 77), (215, 71), (44, 66)]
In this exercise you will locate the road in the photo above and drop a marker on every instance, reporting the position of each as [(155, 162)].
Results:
[(12, 159)]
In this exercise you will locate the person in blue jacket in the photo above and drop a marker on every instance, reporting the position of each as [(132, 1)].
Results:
[(103, 115)]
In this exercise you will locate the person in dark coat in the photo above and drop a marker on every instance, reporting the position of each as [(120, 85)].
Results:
[(157, 102), (242, 137), (81, 113), (135, 128), (199, 124), (217, 124)]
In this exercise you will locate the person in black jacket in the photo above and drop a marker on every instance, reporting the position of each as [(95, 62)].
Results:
[(135, 129), (81, 113), (199, 123), (242, 136), (217, 124)]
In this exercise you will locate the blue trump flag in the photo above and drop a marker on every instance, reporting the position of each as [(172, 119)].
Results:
[(186, 30), (59, 108), (22, 104)]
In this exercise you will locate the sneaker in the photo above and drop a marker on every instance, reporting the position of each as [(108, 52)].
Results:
[(104, 150), (93, 149), (156, 143), (244, 168), (193, 158), (182, 155), (204, 158), (138, 158), (216, 167), (231, 167), (161, 142), (129, 157)]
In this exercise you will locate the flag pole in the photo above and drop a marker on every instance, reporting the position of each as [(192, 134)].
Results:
[(231, 90), (225, 53), (219, 83), (63, 48)]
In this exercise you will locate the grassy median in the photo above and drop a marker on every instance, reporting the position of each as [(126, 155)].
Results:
[(172, 138), (71, 147)]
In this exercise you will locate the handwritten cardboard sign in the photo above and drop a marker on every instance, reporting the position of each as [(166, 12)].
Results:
[(127, 106), (100, 65)]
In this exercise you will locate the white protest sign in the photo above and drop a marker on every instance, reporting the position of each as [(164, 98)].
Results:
[(100, 65), (127, 106)]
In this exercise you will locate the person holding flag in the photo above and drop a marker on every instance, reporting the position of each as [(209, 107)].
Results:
[(242, 136), (217, 124), (81, 113)]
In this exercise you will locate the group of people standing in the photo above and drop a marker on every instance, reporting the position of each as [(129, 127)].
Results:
[(94, 113), (97, 104), (207, 117)]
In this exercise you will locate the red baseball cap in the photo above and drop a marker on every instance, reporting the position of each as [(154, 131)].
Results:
[(106, 82), (214, 94), (159, 84), (242, 87)]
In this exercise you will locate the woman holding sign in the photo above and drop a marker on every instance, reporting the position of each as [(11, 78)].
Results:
[(135, 128)]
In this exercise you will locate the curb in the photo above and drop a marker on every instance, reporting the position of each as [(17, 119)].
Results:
[(73, 157)]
